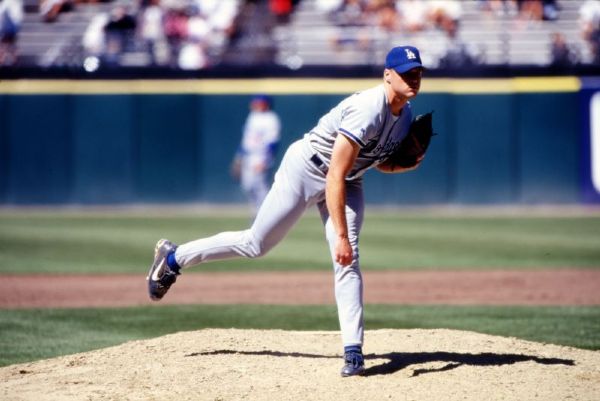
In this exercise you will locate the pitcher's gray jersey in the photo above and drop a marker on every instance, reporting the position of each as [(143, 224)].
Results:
[(364, 118)]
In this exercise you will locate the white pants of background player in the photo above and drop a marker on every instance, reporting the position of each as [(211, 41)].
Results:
[(254, 184), (299, 184)]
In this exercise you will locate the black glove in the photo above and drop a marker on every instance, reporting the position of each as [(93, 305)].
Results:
[(414, 146)]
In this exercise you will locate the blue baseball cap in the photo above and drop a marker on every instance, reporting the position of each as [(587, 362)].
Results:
[(403, 58), (262, 98)]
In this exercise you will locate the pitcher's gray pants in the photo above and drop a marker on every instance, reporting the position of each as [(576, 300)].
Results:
[(299, 184)]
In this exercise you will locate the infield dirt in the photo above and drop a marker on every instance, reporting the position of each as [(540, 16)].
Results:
[(232, 364), (498, 287)]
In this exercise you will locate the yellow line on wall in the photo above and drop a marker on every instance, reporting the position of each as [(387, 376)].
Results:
[(188, 86), (285, 86), (507, 85)]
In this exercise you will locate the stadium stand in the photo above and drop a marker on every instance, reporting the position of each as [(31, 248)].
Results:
[(58, 42), (190, 34), (193, 34), (490, 38)]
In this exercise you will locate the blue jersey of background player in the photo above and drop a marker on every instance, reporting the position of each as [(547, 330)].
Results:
[(323, 169), (254, 159)]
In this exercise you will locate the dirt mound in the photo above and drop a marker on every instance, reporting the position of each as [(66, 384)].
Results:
[(219, 364)]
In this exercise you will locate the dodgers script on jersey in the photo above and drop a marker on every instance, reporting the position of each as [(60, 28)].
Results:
[(366, 119)]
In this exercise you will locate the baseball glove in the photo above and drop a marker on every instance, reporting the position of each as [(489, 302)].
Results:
[(414, 146)]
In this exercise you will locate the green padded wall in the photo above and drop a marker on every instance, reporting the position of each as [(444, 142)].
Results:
[(118, 148)]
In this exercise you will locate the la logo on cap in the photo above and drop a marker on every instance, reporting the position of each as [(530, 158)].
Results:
[(409, 54)]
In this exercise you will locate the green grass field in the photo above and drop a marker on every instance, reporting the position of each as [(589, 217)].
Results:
[(80, 242), (111, 242), (27, 335)]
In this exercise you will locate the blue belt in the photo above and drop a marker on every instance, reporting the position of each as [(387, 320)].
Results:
[(320, 164)]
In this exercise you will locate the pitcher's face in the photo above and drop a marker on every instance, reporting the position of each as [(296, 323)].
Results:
[(407, 84)]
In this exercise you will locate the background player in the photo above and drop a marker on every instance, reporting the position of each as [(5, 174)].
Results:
[(325, 169), (254, 159)]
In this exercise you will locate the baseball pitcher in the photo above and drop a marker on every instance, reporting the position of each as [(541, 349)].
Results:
[(324, 169)]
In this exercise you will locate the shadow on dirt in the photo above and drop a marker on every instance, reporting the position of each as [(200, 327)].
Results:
[(402, 360), (263, 353)]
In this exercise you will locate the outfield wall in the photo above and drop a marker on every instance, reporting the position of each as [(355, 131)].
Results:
[(518, 140)]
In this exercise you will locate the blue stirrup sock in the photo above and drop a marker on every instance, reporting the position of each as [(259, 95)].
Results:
[(172, 263), (353, 348)]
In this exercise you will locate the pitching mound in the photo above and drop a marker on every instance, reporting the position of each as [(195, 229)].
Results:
[(282, 365)]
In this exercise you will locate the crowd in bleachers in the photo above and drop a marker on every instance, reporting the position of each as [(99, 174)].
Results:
[(533, 10), (392, 16), (185, 33), (177, 33), (562, 53), (413, 16), (418, 15)]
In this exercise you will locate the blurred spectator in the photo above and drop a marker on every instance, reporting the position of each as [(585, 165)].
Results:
[(282, 9), (121, 21), (445, 15), (589, 19), (352, 18), (530, 10), (551, 10), (525, 10), (175, 29), (350, 13), (192, 56), (219, 13), (220, 17), (537, 10), (561, 53), (499, 8), (93, 38), (387, 16), (119, 31), (459, 55), (327, 6), (150, 20), (198, 31), (50, 9), (413, 14), (11, 16)]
